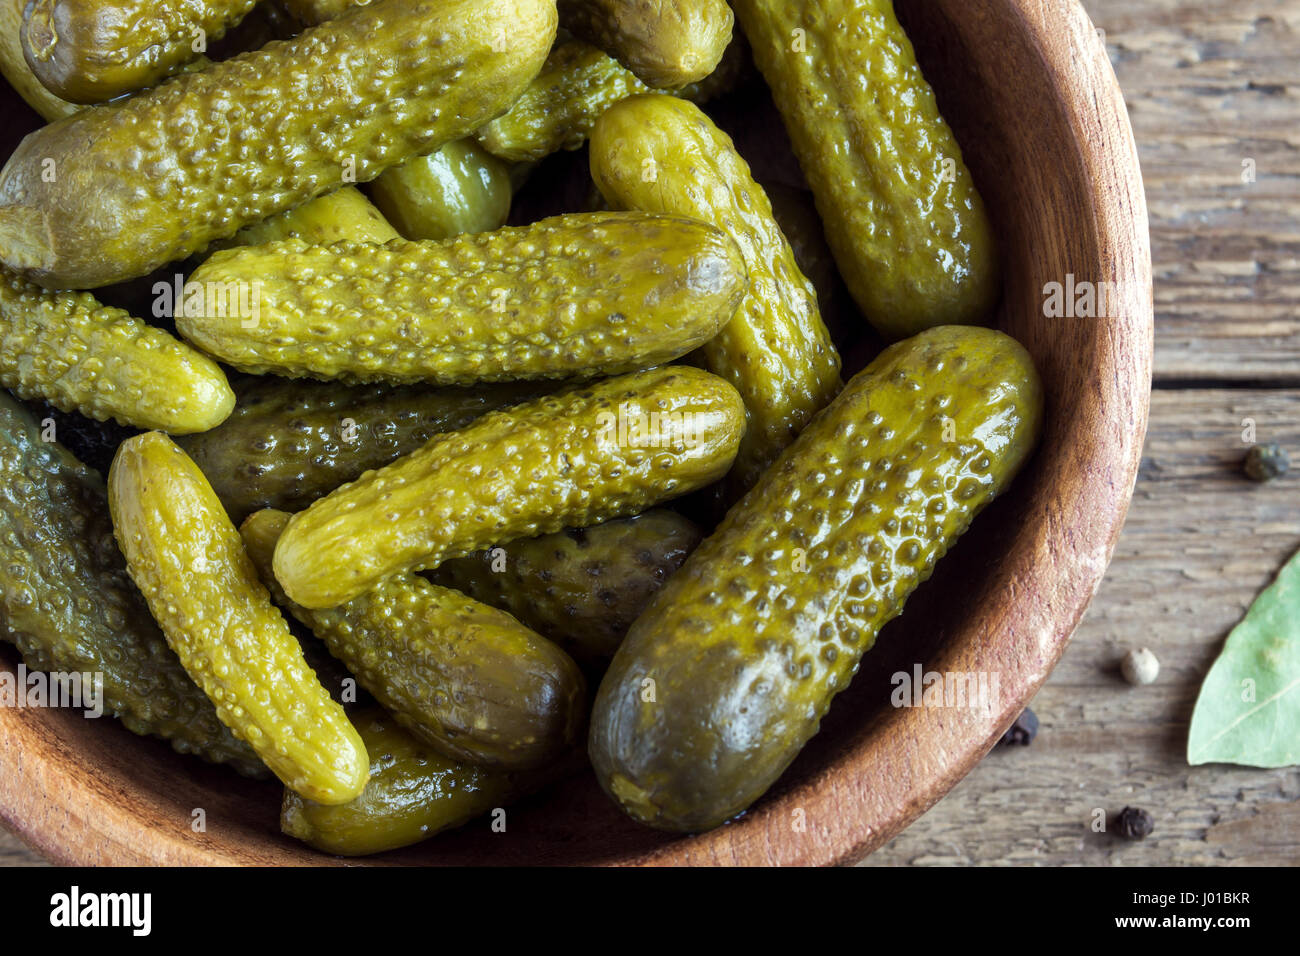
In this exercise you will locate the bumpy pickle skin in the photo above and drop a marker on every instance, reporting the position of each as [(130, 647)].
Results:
[(68, 605), (569, 460), (89, 51), (901, 212), (288, 443), (582, 587), (577, 84), (413, 793), (312, 12), (77, 354), (585, 294), (662, 154), (465, 678), (384, 82), (342, 214), (188, 561), (748, 643), (461, 189), (666, 43)]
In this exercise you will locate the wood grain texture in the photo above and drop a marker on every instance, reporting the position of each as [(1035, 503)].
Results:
[(1200, 543), (1210, 84)]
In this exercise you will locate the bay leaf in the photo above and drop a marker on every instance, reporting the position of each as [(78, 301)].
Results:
[(1248, 711)]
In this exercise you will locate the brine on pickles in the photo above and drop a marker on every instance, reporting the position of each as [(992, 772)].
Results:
[(748, 643)]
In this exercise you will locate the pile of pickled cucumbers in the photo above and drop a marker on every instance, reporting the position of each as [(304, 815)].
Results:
[(419, 505)]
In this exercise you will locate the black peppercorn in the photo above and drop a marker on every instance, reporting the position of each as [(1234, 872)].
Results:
[(1023, 731), (1266, 461), (1134, 823)]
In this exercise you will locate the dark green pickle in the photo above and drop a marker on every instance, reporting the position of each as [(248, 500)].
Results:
[(287, 443), (69, 605), (582, 588), (728, 672)]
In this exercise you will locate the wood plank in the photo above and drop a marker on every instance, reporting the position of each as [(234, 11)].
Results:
[(13, 852), (1201, 541), (1209, 85)]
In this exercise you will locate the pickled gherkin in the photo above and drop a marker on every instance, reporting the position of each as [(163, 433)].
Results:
[(460, 189), (188, 560), (582, 587), (577, 84), (14, 68), (150, 179), (342, 214), (69, 349), (569, 460), (288, 443), (901, 212), (89, 51), (413, 793), (766, 622), (465, 678), (667, 43), (68, 605), (662, 154), (593, 294)]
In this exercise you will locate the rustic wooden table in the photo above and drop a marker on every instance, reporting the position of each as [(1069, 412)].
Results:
[(1213, 87)]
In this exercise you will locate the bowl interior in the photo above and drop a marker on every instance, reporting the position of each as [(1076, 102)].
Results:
[(1034, 104)]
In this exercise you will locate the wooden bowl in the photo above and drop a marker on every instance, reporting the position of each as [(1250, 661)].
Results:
[(1029, 89)]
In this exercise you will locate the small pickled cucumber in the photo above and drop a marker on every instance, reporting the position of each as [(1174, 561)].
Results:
[(69, 606), (465, 678), (77, 354), (188, 560), (89, 51), (582, 587), (577, 84), (587, 294), (288, 443), (413, 793), (342, 214), (14, 68), (568, 460), (728, 672), (662, 154), (155, 177), (461, 189), (667, 43), (901, 212)]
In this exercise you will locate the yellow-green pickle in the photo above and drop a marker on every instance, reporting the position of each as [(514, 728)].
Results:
[(577, 84), (68, 605), (583, 294), (569, 460), (14, 68), (465, 678), (151, 179), (460, 189), (89, 51), (413, 793), (667, 43), (662, 154), (189, 562), (75, 353), (344, 214), (728, 672), (900, 209)]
